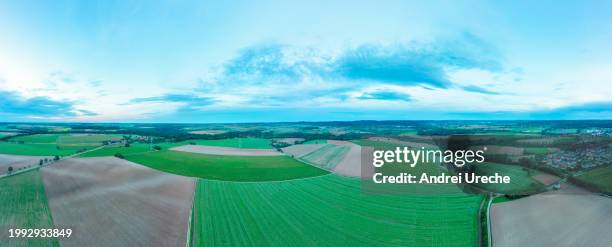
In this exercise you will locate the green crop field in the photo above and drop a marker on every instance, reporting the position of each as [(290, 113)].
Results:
[(112, 150), (65, 139), (328, 211), (40, 149), (24, 205), (42, 138), (600, 177), (231, 168), (536, 150), (237, 143), (88, 138), (521, 180)]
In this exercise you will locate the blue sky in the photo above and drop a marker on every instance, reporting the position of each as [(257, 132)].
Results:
[(199, 61)]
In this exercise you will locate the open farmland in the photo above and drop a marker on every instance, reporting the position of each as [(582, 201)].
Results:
[(18, 162), (327, 156), (521, 179), (600, 177), (350, 165), (41, 149), (301, 149), (556, 218), (23, 204), (113, 202), (341, 157), (237, 143), (226, 151), (66, 139), (221, 167), (112, 150), (328, 211)]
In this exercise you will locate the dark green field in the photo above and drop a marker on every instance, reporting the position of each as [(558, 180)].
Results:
[(230, 168)]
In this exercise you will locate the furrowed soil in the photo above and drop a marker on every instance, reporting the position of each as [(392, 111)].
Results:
[(113, 202), (18, 162), (568, 217)]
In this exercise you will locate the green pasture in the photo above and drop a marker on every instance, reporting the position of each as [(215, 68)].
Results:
[(237, 143), (231, 168), (41, 149)]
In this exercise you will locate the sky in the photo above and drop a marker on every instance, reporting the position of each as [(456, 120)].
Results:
[(272, 61)]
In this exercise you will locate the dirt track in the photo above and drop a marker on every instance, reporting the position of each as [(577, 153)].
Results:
[(226, 151), (568, 217), (113, 202)]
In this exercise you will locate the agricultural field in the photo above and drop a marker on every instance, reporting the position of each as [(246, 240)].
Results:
[(521, 179), (226, 151), (340, 157), (600, 177), (113, 202), (231, 168), (328, 211), (66, 139), (237, 143), (53, 144), (112, 150), (327, 156), (18, 162), (315, 142), (568, 217), (41, 149), (24, 205), (5, 134)]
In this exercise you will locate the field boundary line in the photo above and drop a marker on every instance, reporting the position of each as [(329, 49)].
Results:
[(191, 212), (490, 233)]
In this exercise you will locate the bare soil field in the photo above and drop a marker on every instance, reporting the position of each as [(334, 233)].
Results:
[(350, 165), (113, 202), (226, 151), (302, 149), (208, 132), (404, 143), (18, 161), (546, 179), (568, 217)]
